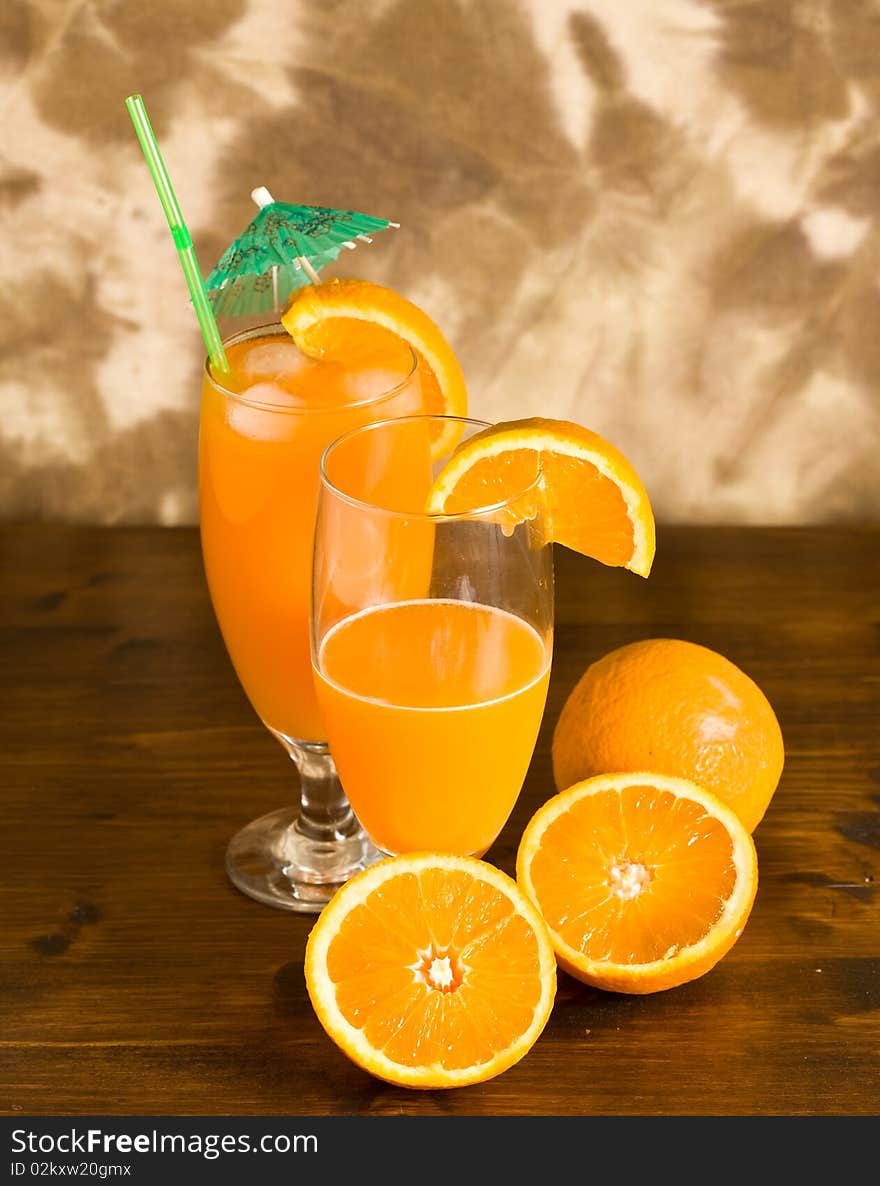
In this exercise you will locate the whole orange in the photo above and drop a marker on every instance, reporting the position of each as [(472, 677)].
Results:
[(674, 708)]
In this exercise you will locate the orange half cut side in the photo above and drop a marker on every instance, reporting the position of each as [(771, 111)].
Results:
[(645, 881), (431, 971)]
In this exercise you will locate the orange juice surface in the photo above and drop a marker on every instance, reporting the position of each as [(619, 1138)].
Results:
[(432, 711), (262, 432)]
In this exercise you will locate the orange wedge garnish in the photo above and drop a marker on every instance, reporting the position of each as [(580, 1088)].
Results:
[(339, 319), (597, 503), (431, 971), (645, 881)]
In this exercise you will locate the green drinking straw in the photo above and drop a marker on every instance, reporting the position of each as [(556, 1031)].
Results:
[(179, 232)]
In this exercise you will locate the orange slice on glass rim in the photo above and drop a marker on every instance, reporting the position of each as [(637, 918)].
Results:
[(645, 881), (339, 319), (596, 501), (431, 970)]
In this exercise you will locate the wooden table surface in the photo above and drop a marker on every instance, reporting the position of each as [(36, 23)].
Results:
[(134, 979)]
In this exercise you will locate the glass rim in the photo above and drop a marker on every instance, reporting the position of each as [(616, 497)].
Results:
[(424, 516), (275, 328)]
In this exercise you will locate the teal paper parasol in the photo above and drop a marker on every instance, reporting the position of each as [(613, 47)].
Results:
[(282, 250)]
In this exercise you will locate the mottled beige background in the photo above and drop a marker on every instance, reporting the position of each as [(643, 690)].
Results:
[(659, 217)]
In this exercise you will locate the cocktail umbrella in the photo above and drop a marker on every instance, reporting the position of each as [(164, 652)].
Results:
[(280, 250)]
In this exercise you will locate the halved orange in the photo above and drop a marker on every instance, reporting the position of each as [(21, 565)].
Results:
[(645, 881), (430, 970), (338, 318), (596, 501)]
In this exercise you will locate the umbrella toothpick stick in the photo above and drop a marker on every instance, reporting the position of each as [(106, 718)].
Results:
[(308, 269)]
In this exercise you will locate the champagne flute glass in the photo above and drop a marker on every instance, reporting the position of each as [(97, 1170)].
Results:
[(431, 639), (262, 431)]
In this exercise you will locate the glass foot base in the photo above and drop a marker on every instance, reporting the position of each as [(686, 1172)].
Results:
[(270, 860)]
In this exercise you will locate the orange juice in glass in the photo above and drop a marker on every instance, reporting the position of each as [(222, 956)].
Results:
[(262, 431), (431, 690)]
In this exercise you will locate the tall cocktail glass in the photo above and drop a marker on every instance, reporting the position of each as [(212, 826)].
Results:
[(262, 431)]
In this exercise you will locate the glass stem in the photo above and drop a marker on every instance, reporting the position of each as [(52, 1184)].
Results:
[(325, 814)]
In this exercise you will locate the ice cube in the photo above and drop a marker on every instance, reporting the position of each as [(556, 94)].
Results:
[(377, 382), (270, 360), (272, 420), (272, 395)]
